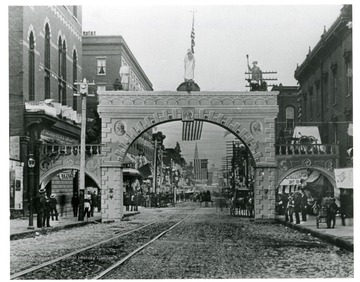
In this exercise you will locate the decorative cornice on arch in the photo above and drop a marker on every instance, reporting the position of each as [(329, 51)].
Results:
[(329, 174), (45, 178)]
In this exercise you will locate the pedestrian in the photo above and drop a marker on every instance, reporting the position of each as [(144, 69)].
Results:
[(297, 207), (75, 204), (304, 205), (53, 210), (331, 213), (39, 207), (93, 203), (62, 204), (87, 208), (290, 209), (285, 200), (47, 210)]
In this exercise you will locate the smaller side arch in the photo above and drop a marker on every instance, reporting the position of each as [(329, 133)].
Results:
[(328, 174), (45, 178)]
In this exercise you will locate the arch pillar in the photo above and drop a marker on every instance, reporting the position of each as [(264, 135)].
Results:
[(265, 191), (112, 208)]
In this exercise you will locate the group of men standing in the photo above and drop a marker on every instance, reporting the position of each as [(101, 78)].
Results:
[(295, 203), (46, 207)]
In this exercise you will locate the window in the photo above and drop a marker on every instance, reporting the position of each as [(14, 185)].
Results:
[(59, 69), (349, 75), (101, 88), (334, 83), (101, 66), (63, 73), (74, 79), (326, 90), (32, 67), (47, 61), (311, 102), (290, 114), (75, 11)]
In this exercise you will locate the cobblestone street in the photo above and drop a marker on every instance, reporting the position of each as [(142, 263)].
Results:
[(209, 244)]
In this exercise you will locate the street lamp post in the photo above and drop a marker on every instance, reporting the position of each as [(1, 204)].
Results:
[(83, 93), (31, 165)]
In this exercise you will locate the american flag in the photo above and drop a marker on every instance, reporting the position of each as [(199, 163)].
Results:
[(192, 39), (192, 130)]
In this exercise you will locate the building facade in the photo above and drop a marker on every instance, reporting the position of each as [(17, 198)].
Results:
[(104, 58), (287, 117), (325, 79), (45, 59)]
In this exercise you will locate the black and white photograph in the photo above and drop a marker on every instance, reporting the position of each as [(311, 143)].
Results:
[(179, 140)]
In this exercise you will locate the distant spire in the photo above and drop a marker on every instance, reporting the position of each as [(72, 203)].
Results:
[(196, 154), (324, 28)]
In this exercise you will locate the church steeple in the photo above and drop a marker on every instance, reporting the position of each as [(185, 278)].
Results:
[(196, 154)]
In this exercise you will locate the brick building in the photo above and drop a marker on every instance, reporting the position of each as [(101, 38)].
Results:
[(325, 79), (287, 117), (45, 59), (103, 59)]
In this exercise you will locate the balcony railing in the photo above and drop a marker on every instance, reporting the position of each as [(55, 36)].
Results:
[(306, 149), (65, 150)]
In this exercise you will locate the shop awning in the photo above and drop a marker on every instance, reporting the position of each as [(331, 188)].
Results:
[(131, 171)]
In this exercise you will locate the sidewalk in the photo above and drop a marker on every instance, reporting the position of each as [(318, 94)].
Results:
[(19, 227), (341, 236)]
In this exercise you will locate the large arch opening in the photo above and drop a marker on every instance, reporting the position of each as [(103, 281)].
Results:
[(171, 162)]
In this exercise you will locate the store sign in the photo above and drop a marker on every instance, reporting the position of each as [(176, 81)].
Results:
[(66, 175), (344, 177), (15, 148)]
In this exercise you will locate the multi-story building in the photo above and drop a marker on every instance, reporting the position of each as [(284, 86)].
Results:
[(287, 117), (45, 60), (104, 58), (325, 79)]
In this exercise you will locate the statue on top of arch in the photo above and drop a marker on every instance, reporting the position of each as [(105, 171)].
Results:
[(189, 73)]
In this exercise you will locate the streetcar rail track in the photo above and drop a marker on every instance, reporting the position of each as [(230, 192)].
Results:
[(120, 262), (63, 257)]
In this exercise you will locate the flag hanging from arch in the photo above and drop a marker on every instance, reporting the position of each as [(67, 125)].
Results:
[(192, 130)]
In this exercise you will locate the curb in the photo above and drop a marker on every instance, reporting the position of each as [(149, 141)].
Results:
[(46, 230), (337, 241)]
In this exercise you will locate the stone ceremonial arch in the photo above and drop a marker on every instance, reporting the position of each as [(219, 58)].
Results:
[(126, 115)]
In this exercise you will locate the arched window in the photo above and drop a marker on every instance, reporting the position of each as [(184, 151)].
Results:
[(74, 78), (47, 61), (59, 69), (31, 67), (63, 74), (290, 114)]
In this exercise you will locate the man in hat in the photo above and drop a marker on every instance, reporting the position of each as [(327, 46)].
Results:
[(46, 210), (39, 207), (256, 76), (189, 66), (53, 203)]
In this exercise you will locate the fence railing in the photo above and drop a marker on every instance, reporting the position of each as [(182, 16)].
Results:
[(64, 150), (306, 149)]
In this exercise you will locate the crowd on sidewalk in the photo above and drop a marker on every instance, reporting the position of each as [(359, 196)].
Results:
[(296, 204)]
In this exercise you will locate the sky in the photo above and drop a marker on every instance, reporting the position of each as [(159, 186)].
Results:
[(277, 36)]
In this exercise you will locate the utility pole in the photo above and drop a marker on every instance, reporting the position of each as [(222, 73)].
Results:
[(83, 93)]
